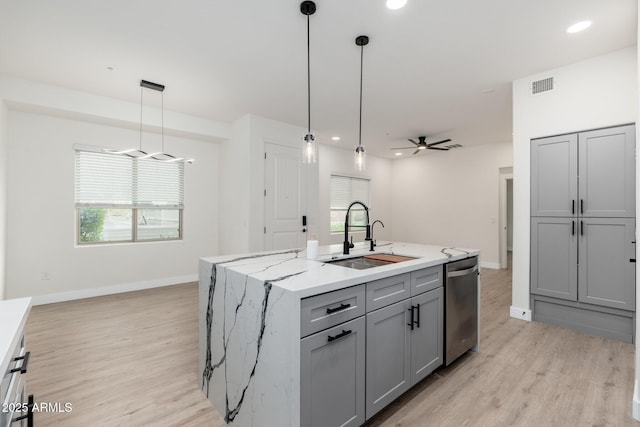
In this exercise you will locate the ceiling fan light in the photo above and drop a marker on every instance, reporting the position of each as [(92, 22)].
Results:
[(422, 147), (396, 4)]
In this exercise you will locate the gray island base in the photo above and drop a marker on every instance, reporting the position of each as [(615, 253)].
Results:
[(289, 341)]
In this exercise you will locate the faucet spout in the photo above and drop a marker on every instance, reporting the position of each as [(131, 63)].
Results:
[(346, 245), (373, 242)]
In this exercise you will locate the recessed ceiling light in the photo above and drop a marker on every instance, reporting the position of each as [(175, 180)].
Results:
[(398, 154), (396, 4), (577, 27), (335, 138)]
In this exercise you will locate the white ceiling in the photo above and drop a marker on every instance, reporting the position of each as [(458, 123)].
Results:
[(441, 68)]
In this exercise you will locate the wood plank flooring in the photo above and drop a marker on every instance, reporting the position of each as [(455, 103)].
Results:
[(131, 360)]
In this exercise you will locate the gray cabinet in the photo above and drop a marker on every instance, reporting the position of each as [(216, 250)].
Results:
[(588, 174), (404, 345), (606, 185), (606, 276), (554, 257), (583, 230), (554, 175), (388, 355), (427, 349), (332, 376)]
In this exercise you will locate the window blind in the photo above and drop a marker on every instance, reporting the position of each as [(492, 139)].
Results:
[(116, 181), (345, 189)]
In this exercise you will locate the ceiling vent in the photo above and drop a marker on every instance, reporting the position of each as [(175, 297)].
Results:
[(453, 146), (542, 86)]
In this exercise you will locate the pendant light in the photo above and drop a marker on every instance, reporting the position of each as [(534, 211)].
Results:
[(139, 153), (310, 146), (359, 159)]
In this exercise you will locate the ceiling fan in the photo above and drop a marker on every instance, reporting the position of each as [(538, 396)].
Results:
[(422, 145)]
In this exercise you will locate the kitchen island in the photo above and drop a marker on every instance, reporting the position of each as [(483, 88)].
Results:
[(260, 314)]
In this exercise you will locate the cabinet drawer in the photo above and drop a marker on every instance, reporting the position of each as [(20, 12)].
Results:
[(389, 290), (326, 310), (426, 279), (7, 376)]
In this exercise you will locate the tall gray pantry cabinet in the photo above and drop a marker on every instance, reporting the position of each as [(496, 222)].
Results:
[(583, 231)]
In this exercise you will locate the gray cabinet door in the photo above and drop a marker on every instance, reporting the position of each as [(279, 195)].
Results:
[(332, 375), (388, 355), (554, 175), (427, 335), (605, 274), (554, 256), (607, 172)]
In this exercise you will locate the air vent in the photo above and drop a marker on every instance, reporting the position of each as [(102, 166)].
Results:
[(541, 86), (453, 146)]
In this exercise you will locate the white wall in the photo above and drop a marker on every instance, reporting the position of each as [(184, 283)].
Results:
[(340, 161), (451, 198), (41, 215), (3, 194), (595, 93), (242, 181)]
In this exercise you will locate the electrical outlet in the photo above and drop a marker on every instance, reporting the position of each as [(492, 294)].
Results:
[(46, 276)]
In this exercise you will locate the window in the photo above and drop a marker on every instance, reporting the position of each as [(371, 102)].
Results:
[(344, 190), (123, 199)]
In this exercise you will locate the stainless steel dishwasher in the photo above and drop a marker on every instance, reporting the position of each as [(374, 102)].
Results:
[(461, 308)]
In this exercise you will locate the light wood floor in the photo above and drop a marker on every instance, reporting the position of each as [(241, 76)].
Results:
[(131, 360)]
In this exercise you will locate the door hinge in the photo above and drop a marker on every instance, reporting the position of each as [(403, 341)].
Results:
[(265, 230), (265, 192), (265, 156)]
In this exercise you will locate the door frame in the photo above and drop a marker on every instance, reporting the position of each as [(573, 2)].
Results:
[(505, 175)]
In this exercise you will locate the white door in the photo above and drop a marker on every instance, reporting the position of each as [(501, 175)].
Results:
[(285, 198)]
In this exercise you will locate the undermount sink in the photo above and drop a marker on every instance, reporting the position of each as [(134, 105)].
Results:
[(370, 261), (359, 263)]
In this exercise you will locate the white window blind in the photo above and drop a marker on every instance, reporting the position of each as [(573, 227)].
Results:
[(111, 180), (345, 190)]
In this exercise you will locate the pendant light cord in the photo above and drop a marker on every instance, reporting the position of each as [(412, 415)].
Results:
[(360, 124), (308, 78)]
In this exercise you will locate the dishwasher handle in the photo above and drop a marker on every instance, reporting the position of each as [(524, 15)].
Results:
[(466, 272)]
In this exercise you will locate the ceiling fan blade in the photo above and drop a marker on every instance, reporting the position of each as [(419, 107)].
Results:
[(439, 142), (416, 152), (402, 148), (438, 148), (411, 140)]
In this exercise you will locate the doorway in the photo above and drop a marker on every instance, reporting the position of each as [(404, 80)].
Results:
[(506, 216)]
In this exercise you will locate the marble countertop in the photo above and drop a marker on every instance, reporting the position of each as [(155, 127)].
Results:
[(13, 318), (293, 272)]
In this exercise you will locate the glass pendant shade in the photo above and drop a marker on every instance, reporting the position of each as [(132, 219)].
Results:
[(309, 149), (360, 159)]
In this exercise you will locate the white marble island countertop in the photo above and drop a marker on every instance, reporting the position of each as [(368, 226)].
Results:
[(249, 321), (293, 272)]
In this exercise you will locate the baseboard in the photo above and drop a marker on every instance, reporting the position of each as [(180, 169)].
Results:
[(520, 313), (110, 290), (491, 265), (636, 401)]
